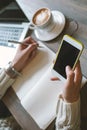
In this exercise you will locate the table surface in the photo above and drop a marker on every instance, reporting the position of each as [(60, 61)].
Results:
[(75, 16)]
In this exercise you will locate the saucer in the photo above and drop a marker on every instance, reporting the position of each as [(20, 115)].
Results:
[(59, 21)]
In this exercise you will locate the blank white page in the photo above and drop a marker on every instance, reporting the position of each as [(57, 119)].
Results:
[(41, 102)]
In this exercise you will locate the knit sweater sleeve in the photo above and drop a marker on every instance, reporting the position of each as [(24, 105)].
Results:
[(5, 82), (68, 115)]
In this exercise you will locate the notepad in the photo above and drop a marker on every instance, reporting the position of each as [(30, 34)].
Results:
[(35, 90)]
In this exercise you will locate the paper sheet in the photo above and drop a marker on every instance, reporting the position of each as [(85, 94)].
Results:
[(41, 102)]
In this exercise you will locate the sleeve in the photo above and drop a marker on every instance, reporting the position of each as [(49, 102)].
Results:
[(5, 82), (68, 115)]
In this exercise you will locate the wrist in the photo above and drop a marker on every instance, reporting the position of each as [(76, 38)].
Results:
[(68, 99), (11, 71), (15, 66), (71, 99)]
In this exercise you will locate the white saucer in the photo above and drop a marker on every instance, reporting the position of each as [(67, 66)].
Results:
[(59, 20)]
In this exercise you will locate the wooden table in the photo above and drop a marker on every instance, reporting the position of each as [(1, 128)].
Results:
[(75, 12)]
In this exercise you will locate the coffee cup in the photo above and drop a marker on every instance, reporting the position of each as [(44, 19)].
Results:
[(42, 19)]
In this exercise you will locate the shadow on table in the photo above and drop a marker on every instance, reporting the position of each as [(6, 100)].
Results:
[(84, 107)]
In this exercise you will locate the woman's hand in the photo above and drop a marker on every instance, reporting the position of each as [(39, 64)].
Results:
[(71, 88), (24, 54)]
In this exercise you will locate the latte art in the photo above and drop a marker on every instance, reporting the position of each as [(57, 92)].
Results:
[(41, 17)]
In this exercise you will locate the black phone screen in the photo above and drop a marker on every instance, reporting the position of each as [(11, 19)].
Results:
[(67, 56)]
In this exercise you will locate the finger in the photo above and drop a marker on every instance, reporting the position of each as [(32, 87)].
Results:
[(78, 63), (69, 74), (31, 48), (78, 73), (26, 40), (29, 40), (32, 55)]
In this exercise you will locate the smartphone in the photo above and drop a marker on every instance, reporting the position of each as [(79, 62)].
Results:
[(68, 54)]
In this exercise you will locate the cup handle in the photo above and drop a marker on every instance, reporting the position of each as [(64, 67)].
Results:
[(31, 26)]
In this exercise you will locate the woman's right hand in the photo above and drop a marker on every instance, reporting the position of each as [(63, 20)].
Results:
[(24, 54)]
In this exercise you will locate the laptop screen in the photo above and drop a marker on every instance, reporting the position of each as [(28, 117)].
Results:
[(11, 12), (4, 3)]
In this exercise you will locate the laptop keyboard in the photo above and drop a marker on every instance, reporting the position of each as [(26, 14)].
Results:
[(9, 33)]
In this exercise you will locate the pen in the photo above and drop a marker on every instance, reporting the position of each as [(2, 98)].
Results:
[(16, 42)]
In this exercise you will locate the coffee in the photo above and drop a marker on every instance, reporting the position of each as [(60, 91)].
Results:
[(42, 19), (41, 16)]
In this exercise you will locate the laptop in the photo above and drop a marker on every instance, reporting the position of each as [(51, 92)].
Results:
[(14, 26)]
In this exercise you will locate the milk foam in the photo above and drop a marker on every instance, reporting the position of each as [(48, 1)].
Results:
[(41, 17)]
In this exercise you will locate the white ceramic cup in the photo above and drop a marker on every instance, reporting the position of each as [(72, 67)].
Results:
[(42, 19)]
